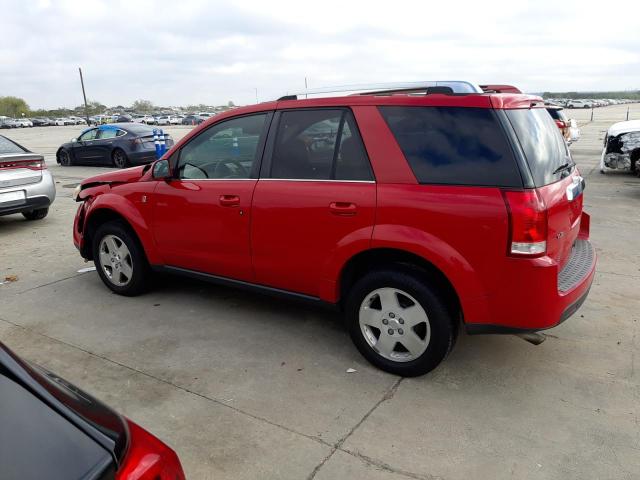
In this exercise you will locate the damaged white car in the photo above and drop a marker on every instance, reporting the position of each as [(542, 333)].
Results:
[(621, 147)]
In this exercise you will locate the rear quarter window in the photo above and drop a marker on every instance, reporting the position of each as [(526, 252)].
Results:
[(454, 145), (544, 148)]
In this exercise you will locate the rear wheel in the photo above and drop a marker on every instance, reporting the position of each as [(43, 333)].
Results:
[(399, 322), (37, 214), (120, 259), (119, 158)]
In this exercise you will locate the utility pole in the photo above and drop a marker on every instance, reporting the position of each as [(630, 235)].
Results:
[(84, 95), (305, 87), (256, 95)]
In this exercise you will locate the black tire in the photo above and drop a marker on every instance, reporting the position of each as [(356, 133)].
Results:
[(443, 324), (140, 278), (119, 158), (65, 158), (37, 214)]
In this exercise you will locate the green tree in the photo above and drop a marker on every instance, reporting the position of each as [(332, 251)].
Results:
[(231, 104), (143, 106), (13, 107)]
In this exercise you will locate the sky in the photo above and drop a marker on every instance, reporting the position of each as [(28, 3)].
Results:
[(185, 52)]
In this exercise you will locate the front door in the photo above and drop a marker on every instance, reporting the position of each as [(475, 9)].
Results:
[(202, 216), (316, 201), (84, 149)]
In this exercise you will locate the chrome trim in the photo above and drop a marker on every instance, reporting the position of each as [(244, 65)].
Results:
[(316, 180)]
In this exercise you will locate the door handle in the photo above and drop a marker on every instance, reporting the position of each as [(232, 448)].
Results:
[(230, 200), (344, 209)]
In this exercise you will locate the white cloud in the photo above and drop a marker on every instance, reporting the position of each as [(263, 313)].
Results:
[(198, 51)]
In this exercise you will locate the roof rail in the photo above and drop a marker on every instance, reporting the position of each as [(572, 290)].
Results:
[(437, 86)]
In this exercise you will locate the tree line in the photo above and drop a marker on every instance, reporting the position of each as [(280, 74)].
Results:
[(16, 107)]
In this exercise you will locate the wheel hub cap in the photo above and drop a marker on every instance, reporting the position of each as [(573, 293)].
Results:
[(115, 260), (394, 324)]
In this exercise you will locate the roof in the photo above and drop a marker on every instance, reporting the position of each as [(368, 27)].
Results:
[(624, 127)]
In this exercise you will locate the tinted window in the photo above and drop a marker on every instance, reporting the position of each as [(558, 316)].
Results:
[(557, 114), (319, 145), (226, 150), (7, 146), (90, 135), (454, 146), (542, 142)]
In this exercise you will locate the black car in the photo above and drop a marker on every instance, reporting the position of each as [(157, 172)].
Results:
[(51, 429), (193, 120), (117, 144), (40, 122)]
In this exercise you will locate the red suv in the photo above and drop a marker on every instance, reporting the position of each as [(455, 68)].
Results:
[(413, 211)]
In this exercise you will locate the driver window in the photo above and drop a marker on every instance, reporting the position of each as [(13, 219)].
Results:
[(90, 135), (226, 150)]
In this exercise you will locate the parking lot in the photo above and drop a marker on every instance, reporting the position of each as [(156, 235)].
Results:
[(245, 386)]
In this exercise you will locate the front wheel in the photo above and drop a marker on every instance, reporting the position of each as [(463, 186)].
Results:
[(65, 158), (120, 259), (399, 323)]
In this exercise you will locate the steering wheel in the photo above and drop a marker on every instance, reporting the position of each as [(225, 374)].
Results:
[(240, 173)]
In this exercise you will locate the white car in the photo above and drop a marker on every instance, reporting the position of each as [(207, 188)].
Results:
[(23, 122), (621, 147), (176, 119), (163, 120), (61, 122), (579, 104)]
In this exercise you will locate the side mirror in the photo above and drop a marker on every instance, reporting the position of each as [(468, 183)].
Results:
[(74, 140), (161, 170)]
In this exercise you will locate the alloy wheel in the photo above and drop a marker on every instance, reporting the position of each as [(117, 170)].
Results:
[(394, 324), (115, 260)]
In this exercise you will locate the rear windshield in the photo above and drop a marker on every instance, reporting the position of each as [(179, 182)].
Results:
[(7, 146), (542, 142), (557, 114), (453, 145)]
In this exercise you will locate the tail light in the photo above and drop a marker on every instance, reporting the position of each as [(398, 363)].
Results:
[(30, 164), (561, 124), (147, 458), (527, 223)]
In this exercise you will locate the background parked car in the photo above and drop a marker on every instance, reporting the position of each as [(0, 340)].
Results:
[(163, 120), (117, 144), (579, 104), (62, 121), (23, 122), (26, 186), (192, 120), (56, 431), (621, 147), (124, 119), (40, 122), (176, 119)]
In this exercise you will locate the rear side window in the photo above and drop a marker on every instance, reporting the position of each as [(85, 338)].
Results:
[(542, 143), (319, 145), (453, 145), (7, 146)]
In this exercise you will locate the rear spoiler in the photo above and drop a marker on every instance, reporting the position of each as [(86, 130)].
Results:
[(499, 89)]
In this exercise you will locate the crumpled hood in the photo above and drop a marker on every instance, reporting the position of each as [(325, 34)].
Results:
[(127, 175)]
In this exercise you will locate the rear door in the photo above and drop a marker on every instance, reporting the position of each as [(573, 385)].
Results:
[(554, 174), (104, 143), (201, 218), (316, 195)]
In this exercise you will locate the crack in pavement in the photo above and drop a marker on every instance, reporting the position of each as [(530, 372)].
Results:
[(338, 446)]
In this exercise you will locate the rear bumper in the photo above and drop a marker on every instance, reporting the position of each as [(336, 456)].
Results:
[(37, 195), (538, 296), (141, 157)]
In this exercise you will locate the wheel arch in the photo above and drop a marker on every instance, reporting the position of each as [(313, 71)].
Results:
[(127, 214), (361, 263)]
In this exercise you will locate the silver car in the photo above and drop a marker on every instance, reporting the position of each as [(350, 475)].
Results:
[(26, 186)]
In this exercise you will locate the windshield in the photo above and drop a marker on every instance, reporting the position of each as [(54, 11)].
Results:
[(542, 142)]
